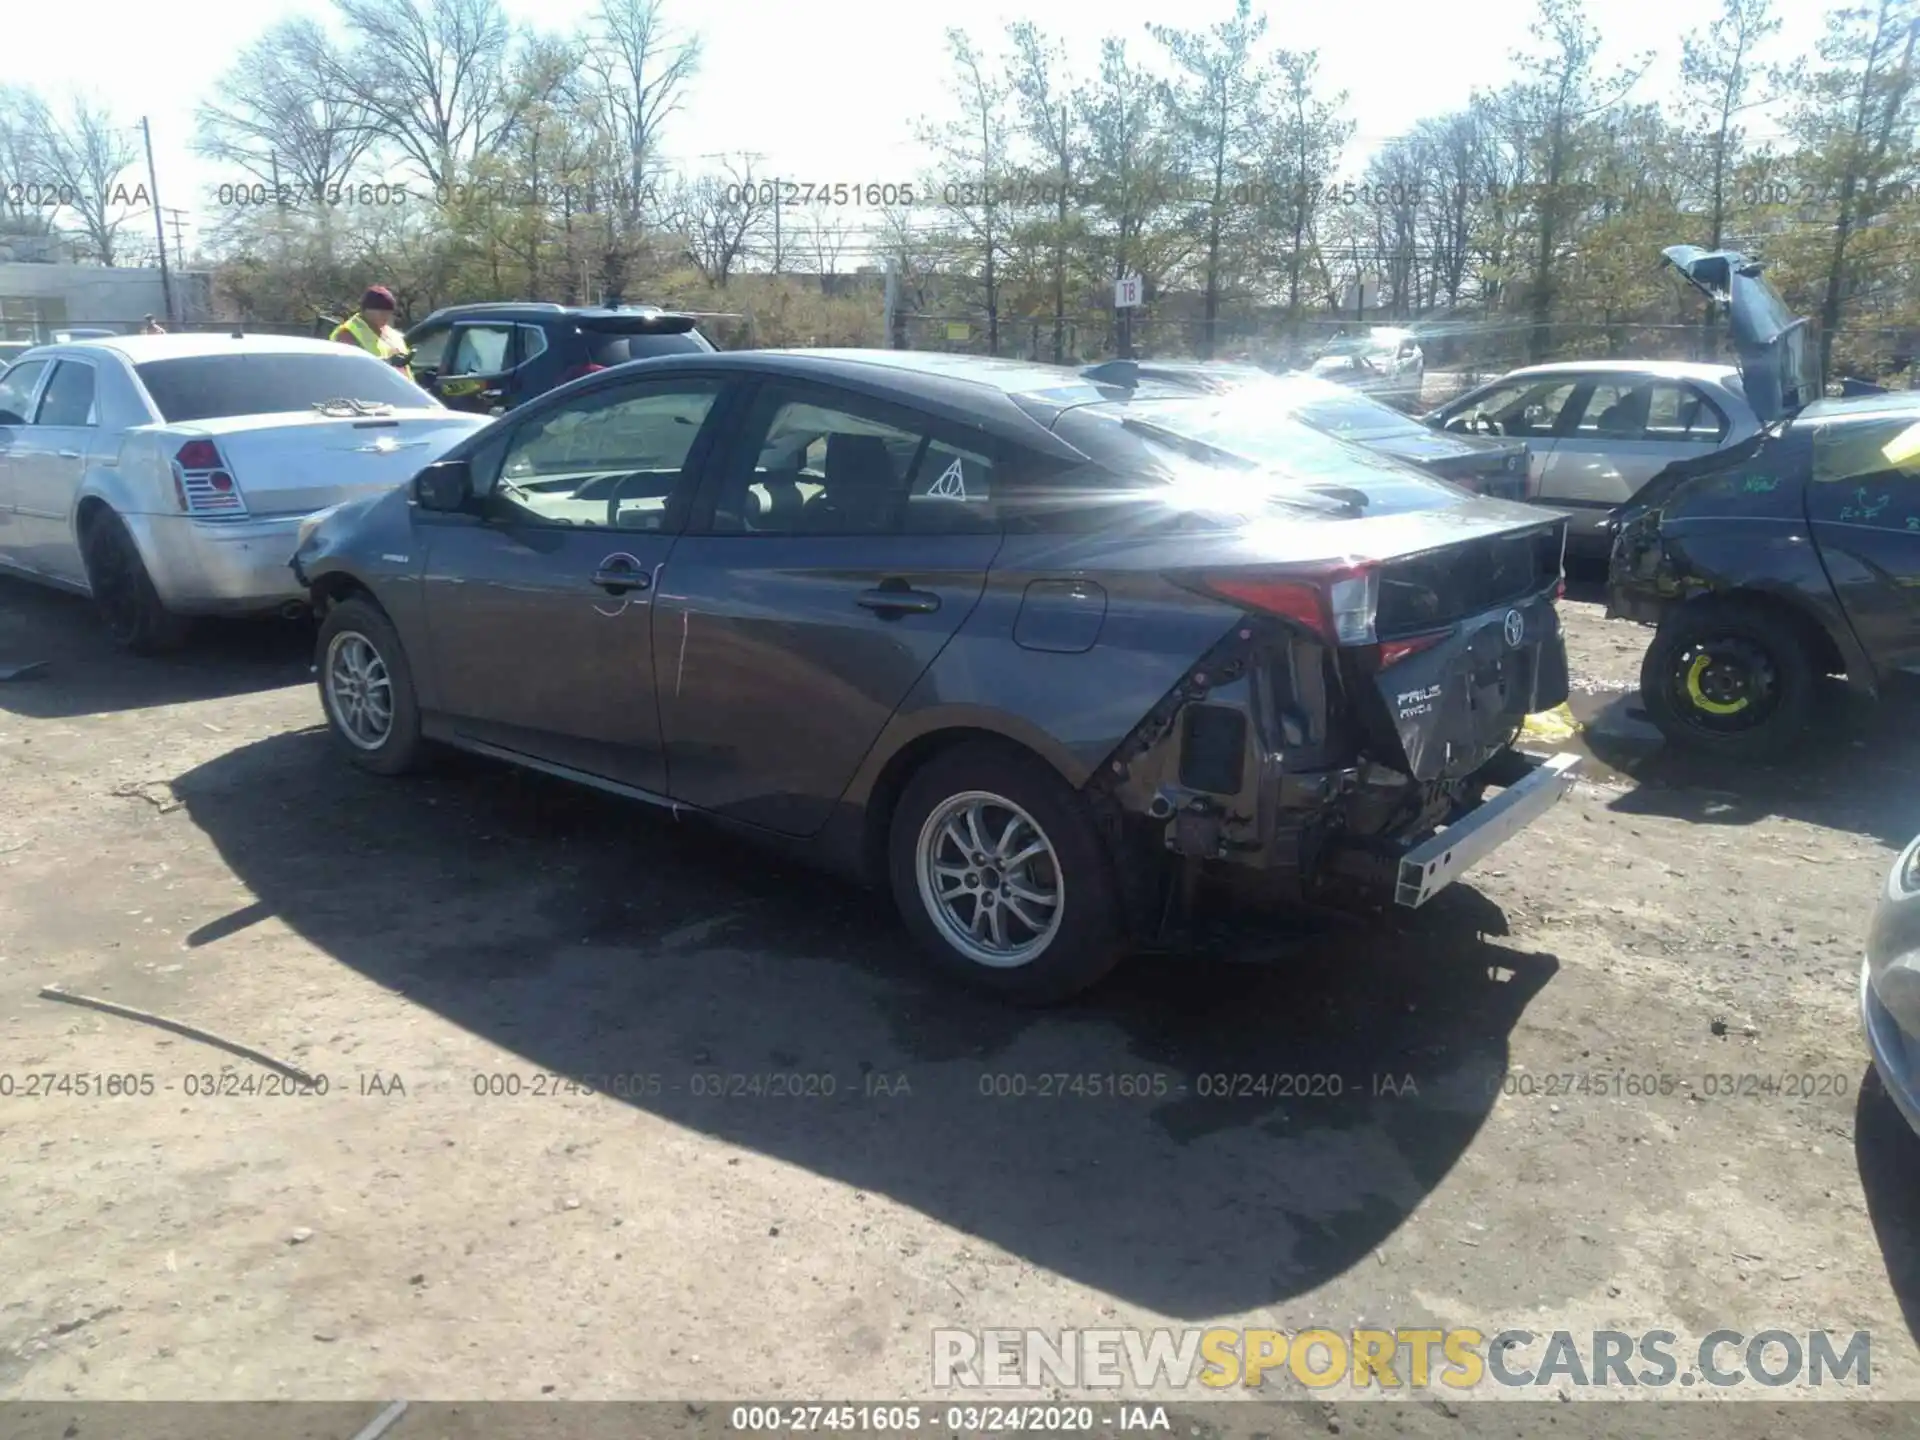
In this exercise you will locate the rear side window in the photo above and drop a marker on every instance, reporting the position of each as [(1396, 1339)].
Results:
[(69, 397), (213, 387), (1219, 462), (839, 468), (613, 350)]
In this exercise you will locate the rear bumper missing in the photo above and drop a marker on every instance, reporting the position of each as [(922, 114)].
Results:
[(1436, 863)]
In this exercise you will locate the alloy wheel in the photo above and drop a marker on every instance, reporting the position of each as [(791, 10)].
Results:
[(990, 879), (359, 690)]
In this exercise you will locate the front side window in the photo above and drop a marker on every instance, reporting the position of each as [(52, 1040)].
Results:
[(1527, 408), (609, 460), (430, 349), (821, 468), (69, 397), (17, 387), (482, 350)]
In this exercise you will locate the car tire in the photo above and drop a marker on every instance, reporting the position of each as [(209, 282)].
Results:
[(1035, 953), (366, 689), (129, 606), (1730, 677)]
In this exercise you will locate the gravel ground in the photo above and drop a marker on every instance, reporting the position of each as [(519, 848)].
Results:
[(178, 836)]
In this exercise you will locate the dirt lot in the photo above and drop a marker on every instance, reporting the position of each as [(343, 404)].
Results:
[(178, 836)]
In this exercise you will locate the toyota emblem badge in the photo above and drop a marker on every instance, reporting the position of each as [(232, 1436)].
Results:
[(1516, 628)]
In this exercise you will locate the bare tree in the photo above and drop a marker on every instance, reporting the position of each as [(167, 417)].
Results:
[(432, 77), (720, 219), (1051, 119), (82, 158), (1856, 122), (637, 71), (1555, 110), (1131, 167), (1452, 144), (1308, 139), (975, 166), (1218, 101), (20, 210), (1718, 73), (278, 120), (826, 238)]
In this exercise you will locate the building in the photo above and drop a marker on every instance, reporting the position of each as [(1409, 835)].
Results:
[(38, 299)]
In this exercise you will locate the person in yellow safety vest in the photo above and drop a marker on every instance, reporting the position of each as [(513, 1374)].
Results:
[(372, 330)]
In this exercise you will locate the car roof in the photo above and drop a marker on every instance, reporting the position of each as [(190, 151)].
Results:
[(140, 349), (1657, 369), (1015, 399), (541, 310)]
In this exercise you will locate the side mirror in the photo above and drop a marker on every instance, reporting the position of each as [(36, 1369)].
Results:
[(445, 485)]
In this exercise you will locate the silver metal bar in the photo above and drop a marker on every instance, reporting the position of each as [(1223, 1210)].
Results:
[(1434, 864), (383, 1422)]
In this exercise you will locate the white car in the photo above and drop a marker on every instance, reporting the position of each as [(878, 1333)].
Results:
[(167, 476), (1599, 430), (1386, 362)]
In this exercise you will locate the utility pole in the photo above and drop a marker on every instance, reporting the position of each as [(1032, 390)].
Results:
[(175, 218), (159, 221), (892, 299)]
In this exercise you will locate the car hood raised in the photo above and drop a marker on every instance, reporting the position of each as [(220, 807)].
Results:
[(1778, 369)]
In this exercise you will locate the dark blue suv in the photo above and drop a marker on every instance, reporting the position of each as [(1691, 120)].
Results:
[(490, 358)]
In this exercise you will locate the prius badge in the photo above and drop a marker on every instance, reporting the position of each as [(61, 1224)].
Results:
[(1515, 628)]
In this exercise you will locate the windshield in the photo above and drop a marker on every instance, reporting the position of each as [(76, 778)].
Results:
[(216, 387), (1237, 457), (611, 350)]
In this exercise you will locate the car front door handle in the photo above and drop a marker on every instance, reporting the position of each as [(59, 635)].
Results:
[(618, 579), (69, 454), (899, 600)]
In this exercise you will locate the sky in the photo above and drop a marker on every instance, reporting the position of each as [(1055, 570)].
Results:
[(829, 93)]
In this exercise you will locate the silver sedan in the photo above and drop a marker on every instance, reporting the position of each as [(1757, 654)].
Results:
[(1599, 430)]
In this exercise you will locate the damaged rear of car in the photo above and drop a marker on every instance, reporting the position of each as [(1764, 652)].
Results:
[(1393, 632)]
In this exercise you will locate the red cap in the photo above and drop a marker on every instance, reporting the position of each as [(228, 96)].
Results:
[(378, 297)]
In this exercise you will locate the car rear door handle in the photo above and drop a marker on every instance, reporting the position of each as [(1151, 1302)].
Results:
[(69, 454), (899, 600), (618, 579)]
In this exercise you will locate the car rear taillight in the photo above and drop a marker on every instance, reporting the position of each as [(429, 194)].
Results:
[(1339, 604), (203, 485), (577, 371)]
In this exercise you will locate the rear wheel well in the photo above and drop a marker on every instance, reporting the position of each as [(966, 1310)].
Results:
[(1821, 648), (894, 776), (91, 509)]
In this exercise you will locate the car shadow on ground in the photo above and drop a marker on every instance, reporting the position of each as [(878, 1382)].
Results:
[(1134, 1141), (1851, 772), (1888, 1155), (86, 675)]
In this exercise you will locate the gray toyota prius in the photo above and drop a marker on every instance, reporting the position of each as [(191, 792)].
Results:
[(1053, 654)]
